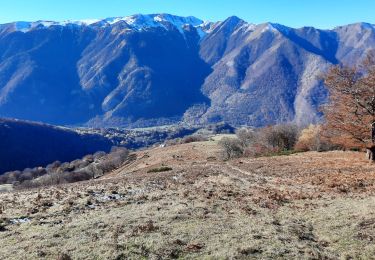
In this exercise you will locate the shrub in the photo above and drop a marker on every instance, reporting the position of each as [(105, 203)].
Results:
[(80, 175), (88, 158), (79, 164), (232, 147), (259, 149), (221, 128), (312, 139), (309, 139), (113, 160), (53, 166), (271, 140), (27, 174), (247, 136), (282, 137), (172, 142), (91, 166), (193, 138), (119, 152), (98, 155), (10, 177)]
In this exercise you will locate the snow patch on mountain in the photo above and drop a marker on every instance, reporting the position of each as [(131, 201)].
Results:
[(28, 26), (140, 22), (245, 28), (137, 22)]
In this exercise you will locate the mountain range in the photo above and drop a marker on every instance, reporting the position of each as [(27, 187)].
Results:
[(144, 70)]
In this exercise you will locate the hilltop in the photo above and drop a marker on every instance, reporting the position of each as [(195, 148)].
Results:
[(183, 201)]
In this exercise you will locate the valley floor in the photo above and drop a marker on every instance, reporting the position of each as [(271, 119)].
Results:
[(303, 206)]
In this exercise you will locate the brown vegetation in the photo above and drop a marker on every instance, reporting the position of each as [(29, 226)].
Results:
[(260, 142), (350, 113), (312, 139), (187, 139), (303, 206)]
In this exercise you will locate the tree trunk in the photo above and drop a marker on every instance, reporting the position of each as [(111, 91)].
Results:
[(371, 149), (370, 155)]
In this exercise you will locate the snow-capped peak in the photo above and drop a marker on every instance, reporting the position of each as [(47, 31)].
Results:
[(27, 26), (275, 27), (136, 22), (141, 22)]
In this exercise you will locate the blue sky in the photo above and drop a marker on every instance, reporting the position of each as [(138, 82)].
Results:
[(295, 13)]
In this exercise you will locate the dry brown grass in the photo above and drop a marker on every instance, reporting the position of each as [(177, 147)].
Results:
[(305, 206)]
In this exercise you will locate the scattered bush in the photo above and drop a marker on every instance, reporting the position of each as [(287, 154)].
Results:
[(89, 167), (271, 140)]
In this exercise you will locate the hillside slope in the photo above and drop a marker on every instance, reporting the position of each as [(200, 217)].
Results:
[(157, 69), (27, 144), (304, 206)]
